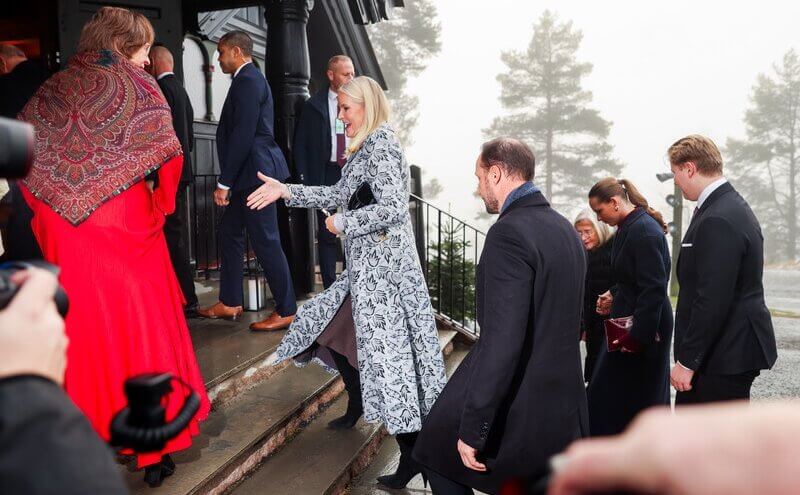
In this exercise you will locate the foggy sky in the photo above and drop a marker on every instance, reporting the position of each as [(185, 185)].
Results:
[(661, 70)]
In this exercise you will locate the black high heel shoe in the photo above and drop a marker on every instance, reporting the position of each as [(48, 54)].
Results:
[(349, 419), (154, 475), (406, 471)]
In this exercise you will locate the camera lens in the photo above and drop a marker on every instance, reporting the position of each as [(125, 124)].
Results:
[(16, 148)]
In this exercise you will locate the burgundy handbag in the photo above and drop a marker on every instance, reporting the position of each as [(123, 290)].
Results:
[(616, 329)]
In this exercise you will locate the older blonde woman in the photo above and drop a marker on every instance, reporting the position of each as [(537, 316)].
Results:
[(375, 322), (595, 237)]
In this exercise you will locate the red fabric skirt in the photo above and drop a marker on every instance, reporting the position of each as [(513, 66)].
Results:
[(126, 307)]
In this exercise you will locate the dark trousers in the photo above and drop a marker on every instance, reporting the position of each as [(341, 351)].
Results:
[(717, 388), (327, 243), (445, 486), (177, 233), (20, 243), (262, 228), (328, 248)]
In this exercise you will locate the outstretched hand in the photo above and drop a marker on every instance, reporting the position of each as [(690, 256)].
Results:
[(271, 191)]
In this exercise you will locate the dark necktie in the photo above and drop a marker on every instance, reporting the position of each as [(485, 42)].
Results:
[(340, 145)]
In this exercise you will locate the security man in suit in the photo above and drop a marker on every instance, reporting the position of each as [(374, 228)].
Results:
[(176, 224), (723, 329), (246, 145), (19, 80), (318, 151)]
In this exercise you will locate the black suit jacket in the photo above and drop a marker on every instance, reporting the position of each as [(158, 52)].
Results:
[(519, 396), (312, 142), (722, 324), (47, 446), (245, 138), (182, 119), (17, 87)]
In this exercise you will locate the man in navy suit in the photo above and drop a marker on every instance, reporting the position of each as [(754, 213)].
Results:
[(723, 330), (319, 146), (246, 145)]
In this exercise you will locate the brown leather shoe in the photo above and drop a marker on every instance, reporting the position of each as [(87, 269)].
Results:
[(273, 322), (219, 310)]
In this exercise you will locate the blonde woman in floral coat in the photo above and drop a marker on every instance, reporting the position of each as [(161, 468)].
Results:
[(375, 323)]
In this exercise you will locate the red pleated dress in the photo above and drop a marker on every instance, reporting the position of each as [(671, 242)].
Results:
[(101, 125)]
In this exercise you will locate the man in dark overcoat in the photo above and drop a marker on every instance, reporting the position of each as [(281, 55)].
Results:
[(518, 398)]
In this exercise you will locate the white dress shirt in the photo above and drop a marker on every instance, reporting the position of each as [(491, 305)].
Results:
[(708, 190), (163, 75)]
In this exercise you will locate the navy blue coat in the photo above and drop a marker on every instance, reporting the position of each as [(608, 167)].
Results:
[(312, 143), (245, 139), (623, 384), (518, 397)]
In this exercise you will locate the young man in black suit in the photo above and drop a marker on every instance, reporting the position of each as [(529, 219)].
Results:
[(723, 329), (318, 151), (176, 225), (246, 145), (518, 397)]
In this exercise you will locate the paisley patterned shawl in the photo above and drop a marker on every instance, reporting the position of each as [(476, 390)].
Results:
[(101, 125)]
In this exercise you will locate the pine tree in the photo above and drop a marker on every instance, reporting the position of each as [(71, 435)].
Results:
[(404, 45), (451, 273), (548, 109), (765, 162)]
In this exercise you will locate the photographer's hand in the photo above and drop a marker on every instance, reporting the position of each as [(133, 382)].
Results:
[(32, 339)]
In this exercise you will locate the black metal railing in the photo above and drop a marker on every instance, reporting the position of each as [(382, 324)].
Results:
[(450, 256)]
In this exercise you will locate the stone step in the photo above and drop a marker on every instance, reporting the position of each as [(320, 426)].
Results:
[(322, 461), (244, 430)]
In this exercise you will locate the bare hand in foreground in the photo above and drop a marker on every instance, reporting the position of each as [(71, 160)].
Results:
[(469, 457), (32, 339), (271, 191), (733, 449), (604, 303), (221, 197)]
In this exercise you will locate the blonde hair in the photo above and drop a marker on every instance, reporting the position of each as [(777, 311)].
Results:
[(698, 149), (117, 29), (367, 92), (604, 232)]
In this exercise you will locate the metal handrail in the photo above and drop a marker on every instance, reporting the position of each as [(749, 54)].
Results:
[(449, 263)]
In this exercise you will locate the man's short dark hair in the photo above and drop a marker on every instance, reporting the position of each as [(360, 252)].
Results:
[(240, 39), (514, 156)]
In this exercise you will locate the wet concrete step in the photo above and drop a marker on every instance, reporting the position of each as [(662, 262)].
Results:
[(387, 457), (237, 436), (251, 426), (323, 461)]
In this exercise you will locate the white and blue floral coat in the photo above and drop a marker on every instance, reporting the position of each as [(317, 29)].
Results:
[(399, 358)]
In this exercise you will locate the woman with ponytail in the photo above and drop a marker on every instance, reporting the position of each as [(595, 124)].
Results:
[(635, 375)]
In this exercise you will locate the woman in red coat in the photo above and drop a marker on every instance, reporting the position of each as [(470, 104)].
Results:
[(102, 124)]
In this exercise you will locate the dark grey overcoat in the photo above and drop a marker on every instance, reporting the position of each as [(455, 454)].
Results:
[(518, 397)]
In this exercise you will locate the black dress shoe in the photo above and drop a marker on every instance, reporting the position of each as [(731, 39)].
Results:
[(347, 421)]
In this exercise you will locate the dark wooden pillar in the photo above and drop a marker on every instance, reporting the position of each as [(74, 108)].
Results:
[(288, 70)]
